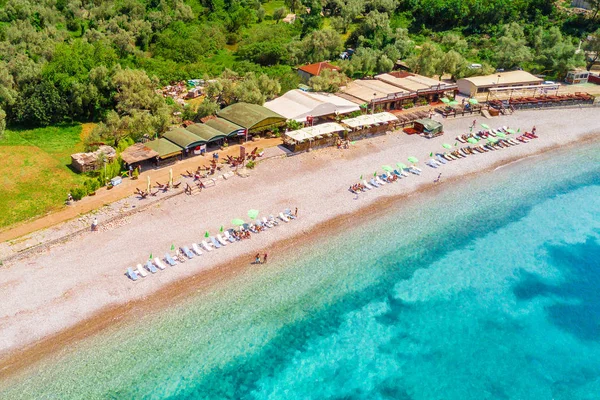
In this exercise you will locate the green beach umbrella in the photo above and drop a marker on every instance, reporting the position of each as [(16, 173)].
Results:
[(150, 256), (484, 126), (401, 165), (354, 142), (413, 160), (444, 100), (492, 140), (253, 214), (455, 144), (511, 131), (473, 101), (447, 146), (519, 130), (361, 177), (221, 230), (453, 103), (237, 222), (206, 234), (375, 173), (172, 247), (431, 154), (387, 168), (500, 134), (472, 140)]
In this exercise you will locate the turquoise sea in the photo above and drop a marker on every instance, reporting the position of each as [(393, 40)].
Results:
[(485, 289)]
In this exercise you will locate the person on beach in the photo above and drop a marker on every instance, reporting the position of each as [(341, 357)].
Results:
[(265, 258), (95, 224), (437, 180), (474, 123), (257, 259), (533, 130), (296, 212)]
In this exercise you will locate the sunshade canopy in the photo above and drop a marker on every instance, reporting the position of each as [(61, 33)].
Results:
[(184, 138), (312, 131), (250, 116), (225, 127), (370, 119), (164, 148), (205, 132)]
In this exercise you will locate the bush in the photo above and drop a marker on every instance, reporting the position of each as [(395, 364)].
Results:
[(251, 165), (136, 173), (78, 193)]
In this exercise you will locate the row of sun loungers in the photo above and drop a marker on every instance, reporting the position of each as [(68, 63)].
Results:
[(383, 179), (211, 243)]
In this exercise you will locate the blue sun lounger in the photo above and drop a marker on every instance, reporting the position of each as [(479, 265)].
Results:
[(169, 259), (215, 242), (187, 252), (151, 267), (374, 183), (131, 274), (288, 212), (398, 174)]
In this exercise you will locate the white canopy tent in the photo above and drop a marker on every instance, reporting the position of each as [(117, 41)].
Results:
[(312, 131), (370, 119), (298, 105)]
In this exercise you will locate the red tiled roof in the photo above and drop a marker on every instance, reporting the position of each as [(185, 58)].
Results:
[(315, 69)]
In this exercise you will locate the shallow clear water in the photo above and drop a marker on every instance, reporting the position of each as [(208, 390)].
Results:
[(488, 289)]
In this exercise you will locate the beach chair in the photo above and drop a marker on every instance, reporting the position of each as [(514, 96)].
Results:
[(288, 212), (150, 267), (206, 246), (273, 220), (169, 260), (214, 242), (221, 240), (441, 159), (196, 249), (283, 217), (140, 271), (159, 264), (431, 163), (367, 185), (266, 223), (380, 181), (374, 183), (398, 174), (187, 252), (229, 237), (131, 274)]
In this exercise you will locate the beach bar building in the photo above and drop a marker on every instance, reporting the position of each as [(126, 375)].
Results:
[(512, 79), (138, 154), (185, 139), (423, 87), (313, 137), (227, 128), (429, 127), (252, 117), (311, 107), (167, 151), (376, 94)]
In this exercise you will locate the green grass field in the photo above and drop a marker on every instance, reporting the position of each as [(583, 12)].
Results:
[(34, 172)]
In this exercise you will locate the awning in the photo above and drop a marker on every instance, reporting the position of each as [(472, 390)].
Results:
[(184, 138), (225, 127), (370, 119), (206, 132), (313, 131), (138, 152)]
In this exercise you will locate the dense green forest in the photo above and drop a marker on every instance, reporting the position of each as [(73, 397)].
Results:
[(101, 60)]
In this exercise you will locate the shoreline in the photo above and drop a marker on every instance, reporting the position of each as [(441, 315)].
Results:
[(52, 301), (17, 362)]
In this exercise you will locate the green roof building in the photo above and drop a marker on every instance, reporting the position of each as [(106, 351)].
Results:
[(251, 116), (184, 138), (164, 148), (206, 133), (226, 127)]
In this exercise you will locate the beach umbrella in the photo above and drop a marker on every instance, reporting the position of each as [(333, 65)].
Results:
[(444, 100), (447, 146), (375, 173), (413, 160), (253, 214), (472, 140), (237, 222), (401, 165), (361, 178), (172, 246), (492, 140), (170, 177), (206, 234), (453, 103), (150, 258), (500, 134), (431, 154), (473, 101), (387, 168), (148, 188), (221, 229), (511, 131), (484, 126)]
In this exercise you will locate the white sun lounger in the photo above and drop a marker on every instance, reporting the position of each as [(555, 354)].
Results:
[(380, 181), (229, 237), (431, 163), (187, 252), (214, 242), (196, 249), (206, 246), (160, 264), (283, 217), (289, 214), (140, 270), (221, 240), (266, 223), (367, 184)]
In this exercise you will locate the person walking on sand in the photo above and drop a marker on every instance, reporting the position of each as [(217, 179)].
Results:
[(296, 212), (257, 259), (95, 224), (438, 178), (474, 123), (265, 258)]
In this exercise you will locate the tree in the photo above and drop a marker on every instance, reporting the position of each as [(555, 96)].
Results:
[(312, 20), (2, 122), (328, 81), (279, 14), (511, 49), (206, 108), (558, 53), (135, 91), (595, 7), (592, 46), (427, 61), (451, 63), (293, 5)]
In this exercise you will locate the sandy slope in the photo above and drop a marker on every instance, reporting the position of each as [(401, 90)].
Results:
[(49, 292)]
